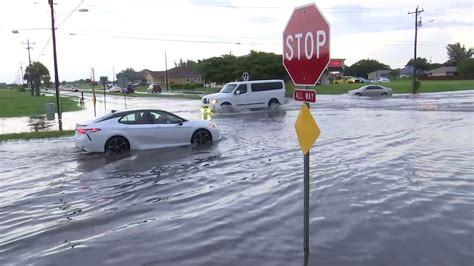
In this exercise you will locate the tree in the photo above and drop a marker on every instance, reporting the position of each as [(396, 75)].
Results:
[(185, 64), (126, 72), (37, 73), (226, 68), (434, 66), (218, 69), (456, 53), (394, 74), (466, 67), (421, 63), (363, 67)]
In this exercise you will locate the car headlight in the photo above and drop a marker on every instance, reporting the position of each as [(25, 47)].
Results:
[(212, 125), (213, 101)]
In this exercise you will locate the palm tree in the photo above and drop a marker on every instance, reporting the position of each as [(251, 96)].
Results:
[(35, 74)]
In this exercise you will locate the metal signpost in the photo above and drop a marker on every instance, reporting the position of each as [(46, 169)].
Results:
[(104, 80), (94, 100), (306, 40)]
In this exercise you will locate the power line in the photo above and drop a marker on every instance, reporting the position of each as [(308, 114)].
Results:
[(390, 43), (169, 40), (57, 26), (72, 11), (44, 48)]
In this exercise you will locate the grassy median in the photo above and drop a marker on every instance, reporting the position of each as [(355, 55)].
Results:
[(14, 103), (36, 135), (398, 86)]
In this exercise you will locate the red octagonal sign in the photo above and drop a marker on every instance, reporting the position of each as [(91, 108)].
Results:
[(306, 45)]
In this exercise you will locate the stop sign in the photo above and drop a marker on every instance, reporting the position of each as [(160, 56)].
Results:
[(306, 45)]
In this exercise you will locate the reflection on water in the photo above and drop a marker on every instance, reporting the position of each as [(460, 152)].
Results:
[(40, 123), (391, 184)]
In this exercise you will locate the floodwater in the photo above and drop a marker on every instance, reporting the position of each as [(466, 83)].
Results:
[(392, 183)]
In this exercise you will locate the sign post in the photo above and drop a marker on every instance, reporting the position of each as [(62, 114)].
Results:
[(104, 80), (306, 40), (94, 100)]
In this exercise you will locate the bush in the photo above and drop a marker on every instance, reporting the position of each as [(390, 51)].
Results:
[(417, 85), (187, 86), (21, 89)]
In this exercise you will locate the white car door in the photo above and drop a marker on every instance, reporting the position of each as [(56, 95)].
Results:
[(138, 130), (242, 97), (170, 130)]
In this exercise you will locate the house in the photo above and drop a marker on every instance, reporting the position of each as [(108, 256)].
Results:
[(155, 77), (176, 76), (379, 74), (443, 72), (406, 72), (132, 77)]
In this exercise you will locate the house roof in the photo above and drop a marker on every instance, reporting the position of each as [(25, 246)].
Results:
[(156, 74), (444, 69), (181, 72), (383, 71), (135, 75), (176, 72), (407, 70)]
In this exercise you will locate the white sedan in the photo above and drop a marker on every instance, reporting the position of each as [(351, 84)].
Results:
[(119, 132), (371, 90), (115, 88)]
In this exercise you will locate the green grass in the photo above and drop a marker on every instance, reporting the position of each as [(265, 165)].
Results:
[(36, 135), (14, 103), (194, 94), (398, 86)]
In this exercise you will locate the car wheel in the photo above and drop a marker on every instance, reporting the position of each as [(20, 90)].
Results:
[(117, 145), (273, 104), (201, 137), (384, 94), (358, 94), (226, 107)]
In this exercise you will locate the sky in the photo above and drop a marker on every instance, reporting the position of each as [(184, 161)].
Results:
[(117, 34)]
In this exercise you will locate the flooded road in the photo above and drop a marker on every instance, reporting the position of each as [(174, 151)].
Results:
[(392, 183)]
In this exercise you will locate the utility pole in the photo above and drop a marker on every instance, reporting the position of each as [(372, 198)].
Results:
[(28, 47), (21, 73), (416, 36), (56, 78), (166, 73)]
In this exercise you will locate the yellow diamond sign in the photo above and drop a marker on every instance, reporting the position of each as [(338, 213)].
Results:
[(306, 129)]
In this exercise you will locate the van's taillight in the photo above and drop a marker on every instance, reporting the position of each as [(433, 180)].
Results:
[(82, 131)]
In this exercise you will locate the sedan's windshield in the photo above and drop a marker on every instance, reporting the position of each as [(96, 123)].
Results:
[(228, 88)]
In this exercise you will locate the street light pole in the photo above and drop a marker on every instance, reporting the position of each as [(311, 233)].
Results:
[(56, 78)]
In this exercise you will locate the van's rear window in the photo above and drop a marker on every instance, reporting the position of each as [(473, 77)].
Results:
[(266, 86)]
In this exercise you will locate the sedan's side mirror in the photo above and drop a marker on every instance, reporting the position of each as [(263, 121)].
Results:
[(180, 122)]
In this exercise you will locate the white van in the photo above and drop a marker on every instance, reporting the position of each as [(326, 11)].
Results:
[(236, 96)]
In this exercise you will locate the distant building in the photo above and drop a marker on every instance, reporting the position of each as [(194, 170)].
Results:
[(176, 76), (406, 72), (443, 72), (379, 74), (155, 77), (335, 70)]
